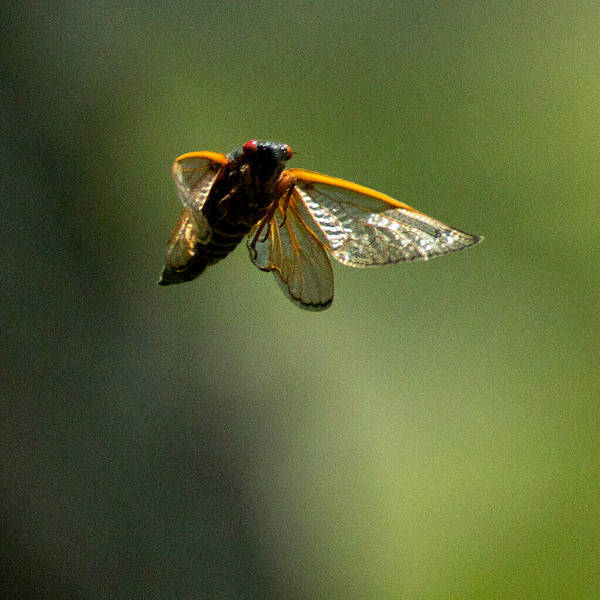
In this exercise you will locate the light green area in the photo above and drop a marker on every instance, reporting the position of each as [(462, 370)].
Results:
[(433, 435)]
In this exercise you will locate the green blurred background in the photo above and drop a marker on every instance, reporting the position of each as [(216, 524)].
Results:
[(435, 434)]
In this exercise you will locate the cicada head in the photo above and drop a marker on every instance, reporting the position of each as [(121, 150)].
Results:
[(267, 159)]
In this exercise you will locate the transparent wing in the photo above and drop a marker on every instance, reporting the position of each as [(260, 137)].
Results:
[(194, 174), (181, 263), (297, 258), (362, 227)]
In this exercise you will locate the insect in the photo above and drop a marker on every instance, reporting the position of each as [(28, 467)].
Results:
[(294, 220)]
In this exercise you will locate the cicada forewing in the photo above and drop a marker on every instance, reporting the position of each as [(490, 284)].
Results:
[(362, 227), (194, 174)]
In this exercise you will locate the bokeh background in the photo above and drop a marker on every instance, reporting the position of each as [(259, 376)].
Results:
[(435, 434)]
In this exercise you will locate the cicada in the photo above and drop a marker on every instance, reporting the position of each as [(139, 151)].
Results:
[(294, 221)]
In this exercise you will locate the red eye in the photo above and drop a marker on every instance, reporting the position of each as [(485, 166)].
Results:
[(289, 151), (250, 146)]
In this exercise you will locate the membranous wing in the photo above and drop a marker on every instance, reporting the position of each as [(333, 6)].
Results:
[(194, 174), (287, 247), (362, 227)]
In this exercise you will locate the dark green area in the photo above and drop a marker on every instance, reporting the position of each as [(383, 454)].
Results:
[(433, 435)]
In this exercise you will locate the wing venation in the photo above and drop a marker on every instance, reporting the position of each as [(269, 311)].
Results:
[(363, 230), (296, 257)]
